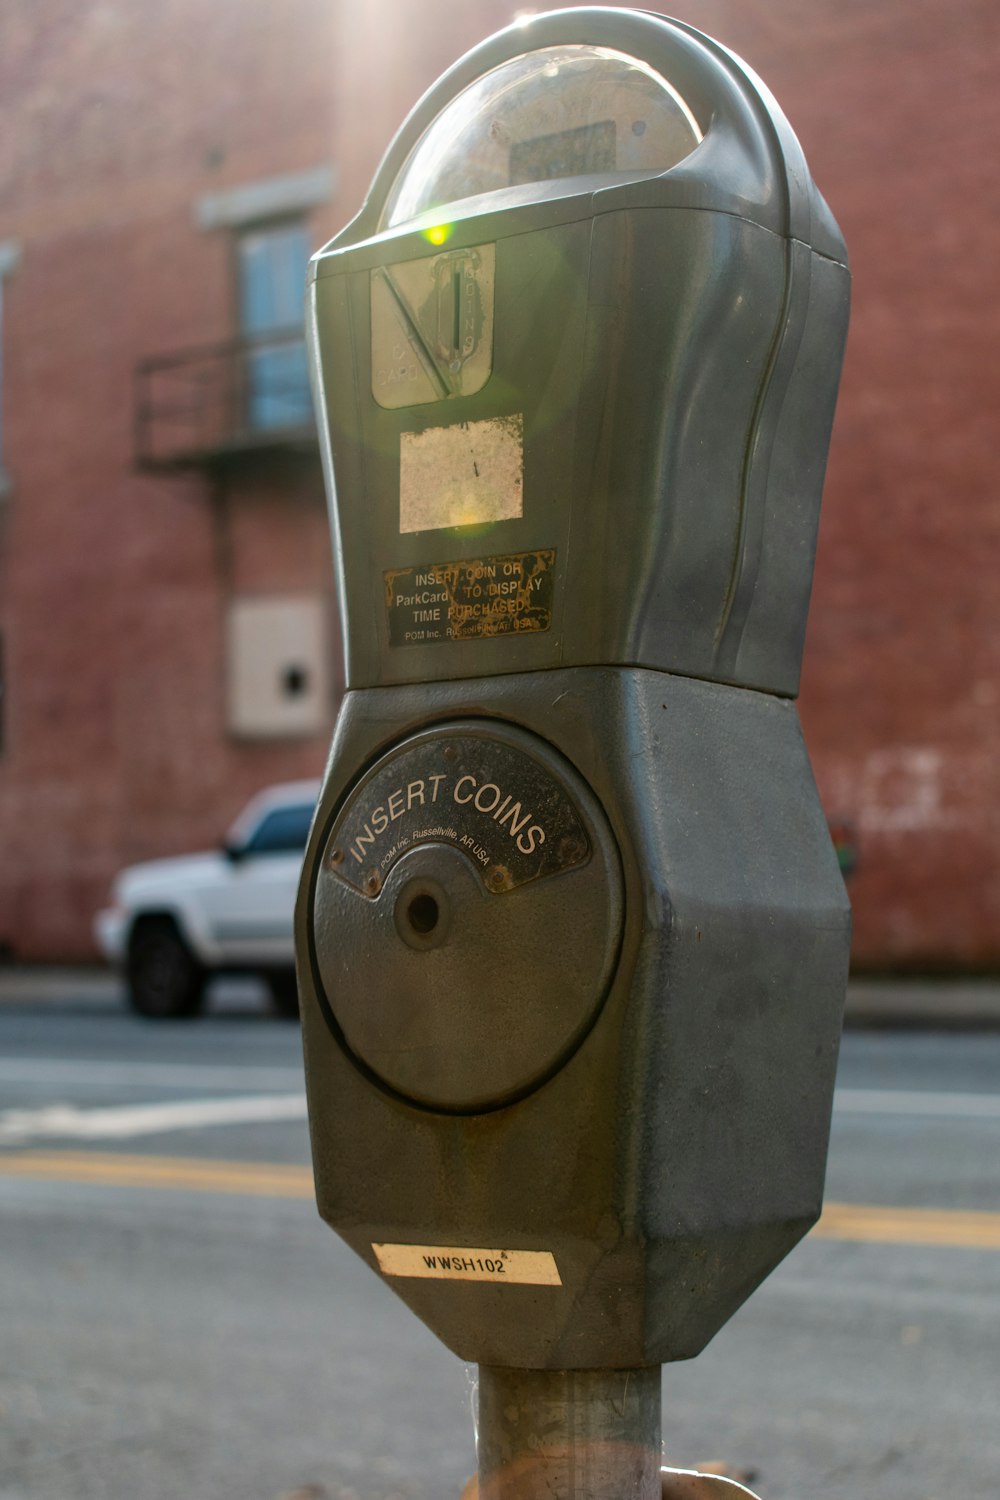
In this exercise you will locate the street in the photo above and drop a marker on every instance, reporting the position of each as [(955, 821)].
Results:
[(177, 1322)]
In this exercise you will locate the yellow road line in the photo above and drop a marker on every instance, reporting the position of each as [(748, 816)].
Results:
[(253, 1179), (868, 1223), (909, 1226)]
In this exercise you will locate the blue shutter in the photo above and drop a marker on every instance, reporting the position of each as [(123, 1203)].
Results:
[(272, 289)]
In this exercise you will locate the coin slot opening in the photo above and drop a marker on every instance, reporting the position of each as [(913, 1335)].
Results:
[(423, 913), (456, 313)]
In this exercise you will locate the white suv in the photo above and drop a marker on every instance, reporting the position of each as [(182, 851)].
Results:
[(173, 923)]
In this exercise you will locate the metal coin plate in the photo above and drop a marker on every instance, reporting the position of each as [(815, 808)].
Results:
[(467, 915), (484, 796)]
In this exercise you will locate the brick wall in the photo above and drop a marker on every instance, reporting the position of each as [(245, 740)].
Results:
[(114, 120)]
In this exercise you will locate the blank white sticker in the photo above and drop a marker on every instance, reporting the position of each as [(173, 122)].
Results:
[(463, 1263), (469, 474)]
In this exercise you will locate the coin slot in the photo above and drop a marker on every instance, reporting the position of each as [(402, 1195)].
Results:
[(422, 913), (456, 315)]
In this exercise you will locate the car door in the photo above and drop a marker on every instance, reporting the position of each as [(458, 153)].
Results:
[(251, 914)]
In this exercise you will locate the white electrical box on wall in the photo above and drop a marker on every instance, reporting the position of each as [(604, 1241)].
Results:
[(278, 666)]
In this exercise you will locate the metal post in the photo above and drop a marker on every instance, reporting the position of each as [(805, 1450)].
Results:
[(569, 1434)]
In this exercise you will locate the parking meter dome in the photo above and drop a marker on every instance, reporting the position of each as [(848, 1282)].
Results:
[(572, 116)]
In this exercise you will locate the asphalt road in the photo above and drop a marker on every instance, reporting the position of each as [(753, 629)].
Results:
[(175, 1321)]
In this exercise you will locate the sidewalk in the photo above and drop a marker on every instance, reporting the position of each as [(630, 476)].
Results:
[(951, 1004), (44, 984), (85, 988), (960, 1004)]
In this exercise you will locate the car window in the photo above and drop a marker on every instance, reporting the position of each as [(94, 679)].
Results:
[(282, 831)]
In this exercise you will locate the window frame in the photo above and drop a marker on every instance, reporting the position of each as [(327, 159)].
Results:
[(10, 259)]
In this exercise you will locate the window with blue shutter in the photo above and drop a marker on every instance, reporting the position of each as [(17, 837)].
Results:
[(272, 277)]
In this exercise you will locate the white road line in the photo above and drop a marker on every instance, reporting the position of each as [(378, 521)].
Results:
[(61, 1072), (67, 1122), (72, 1073), (913, 1102)]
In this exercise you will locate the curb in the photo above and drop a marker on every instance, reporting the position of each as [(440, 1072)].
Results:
[(928, 1004)]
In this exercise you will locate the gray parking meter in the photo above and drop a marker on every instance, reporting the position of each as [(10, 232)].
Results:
[(572, 937)]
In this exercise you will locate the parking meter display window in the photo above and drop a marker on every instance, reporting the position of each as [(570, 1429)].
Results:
[(554, 114)]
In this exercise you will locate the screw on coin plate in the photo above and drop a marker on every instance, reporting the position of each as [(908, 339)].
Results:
[(570, 848), (497, 878), (336, 857), (373, 883)]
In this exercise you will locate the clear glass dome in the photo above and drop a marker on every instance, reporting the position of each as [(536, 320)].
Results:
[(552, 115)]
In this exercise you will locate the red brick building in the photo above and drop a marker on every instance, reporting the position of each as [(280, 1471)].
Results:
[(167, 633)]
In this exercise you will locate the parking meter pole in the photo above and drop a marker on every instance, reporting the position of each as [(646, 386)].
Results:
[(584, 1434)]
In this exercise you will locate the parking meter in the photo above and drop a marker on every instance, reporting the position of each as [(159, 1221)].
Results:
[(572, 939)]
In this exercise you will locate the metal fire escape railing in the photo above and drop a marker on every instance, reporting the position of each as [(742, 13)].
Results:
[(201, 406)]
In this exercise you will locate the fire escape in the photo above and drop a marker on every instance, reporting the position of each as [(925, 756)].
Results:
[(218, 403)]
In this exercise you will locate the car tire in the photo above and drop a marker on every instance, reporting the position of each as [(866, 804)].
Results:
[(284, 993), (165, 980)]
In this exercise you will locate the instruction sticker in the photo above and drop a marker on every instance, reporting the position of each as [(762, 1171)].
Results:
[(465, 1263), (472, 599)]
